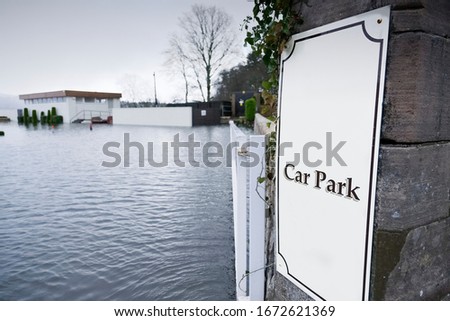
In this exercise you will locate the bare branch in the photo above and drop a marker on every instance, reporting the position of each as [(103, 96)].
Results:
[(203, 47)]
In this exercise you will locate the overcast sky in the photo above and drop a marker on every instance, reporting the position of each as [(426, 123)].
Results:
[(94, 45)]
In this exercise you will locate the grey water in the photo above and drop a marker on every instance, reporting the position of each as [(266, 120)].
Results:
[(72, 229)]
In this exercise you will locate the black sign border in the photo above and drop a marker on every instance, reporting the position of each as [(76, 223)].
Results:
[(372, 165)]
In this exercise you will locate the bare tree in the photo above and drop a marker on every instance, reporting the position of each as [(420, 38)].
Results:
[(205, 45), (133, 87), (178, 63)]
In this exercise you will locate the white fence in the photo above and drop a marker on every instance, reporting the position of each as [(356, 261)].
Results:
[(248, 165), (155, 116), (89, 114)]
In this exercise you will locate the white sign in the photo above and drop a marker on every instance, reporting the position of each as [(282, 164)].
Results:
[(203, 112), (330, 102)]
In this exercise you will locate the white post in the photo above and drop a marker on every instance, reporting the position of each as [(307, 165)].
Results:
[(239, 180), (257, 218), (248, 165)]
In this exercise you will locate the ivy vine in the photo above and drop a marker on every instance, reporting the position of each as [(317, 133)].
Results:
[(268, 30)]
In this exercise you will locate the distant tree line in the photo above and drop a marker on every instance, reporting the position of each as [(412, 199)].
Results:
[(134, 104), (247, 76)]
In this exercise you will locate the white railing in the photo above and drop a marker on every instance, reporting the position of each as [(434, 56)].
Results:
[(88, 114), (248, 165)]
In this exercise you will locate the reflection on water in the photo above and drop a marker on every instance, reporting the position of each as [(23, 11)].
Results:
[(71, 229)]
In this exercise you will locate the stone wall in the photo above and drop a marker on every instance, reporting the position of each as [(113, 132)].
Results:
[(411, 253)]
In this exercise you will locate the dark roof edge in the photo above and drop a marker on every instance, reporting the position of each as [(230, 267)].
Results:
[(71, 93)]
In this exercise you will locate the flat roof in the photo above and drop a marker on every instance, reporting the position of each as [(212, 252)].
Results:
[(71, 93)]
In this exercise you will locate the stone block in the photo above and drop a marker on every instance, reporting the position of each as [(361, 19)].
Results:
[(386, 255), (429, 16), (286, 290), (417, 89), (413, 187), (400, 4), (422, 270), (320, 12), (425, 15), (407, 15), (420, 20)]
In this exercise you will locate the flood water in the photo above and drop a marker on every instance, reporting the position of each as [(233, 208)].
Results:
[(72, 229)]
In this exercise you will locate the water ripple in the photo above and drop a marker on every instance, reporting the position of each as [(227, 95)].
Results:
[(73, 230)]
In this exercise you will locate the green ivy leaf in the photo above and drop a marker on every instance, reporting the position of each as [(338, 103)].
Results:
[(267, 58), (266, 85), (267, 33)]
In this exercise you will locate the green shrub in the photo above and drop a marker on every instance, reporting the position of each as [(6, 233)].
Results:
[(26, 116), (57, 119), (49, 118), (250, 109), (20, 119), (2, 133), (43, 118), (54, 111), (34, 118)]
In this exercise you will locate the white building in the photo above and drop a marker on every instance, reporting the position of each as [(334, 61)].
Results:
[(73, 105)]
